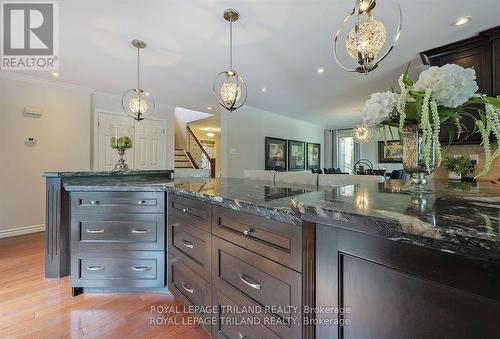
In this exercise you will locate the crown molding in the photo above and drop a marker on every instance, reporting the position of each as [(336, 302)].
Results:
[(45, 82)]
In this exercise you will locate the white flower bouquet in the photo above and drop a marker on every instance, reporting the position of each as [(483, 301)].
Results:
[(441, 98)]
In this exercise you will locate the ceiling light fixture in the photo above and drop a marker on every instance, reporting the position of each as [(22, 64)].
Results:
[(361, 134), (320, 70), (136, 102), (462, 21), (365, 41), (264, 89), (209, 107), (210, 134), (55, 74), (229, 87)]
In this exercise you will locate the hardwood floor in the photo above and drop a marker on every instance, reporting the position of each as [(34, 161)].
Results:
[(34, 307)]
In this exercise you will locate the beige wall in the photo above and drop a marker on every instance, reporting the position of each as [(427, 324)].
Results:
[(63, 134), (450, 151), (244, 131)]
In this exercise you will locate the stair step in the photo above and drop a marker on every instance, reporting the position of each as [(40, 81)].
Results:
[(184, 166)]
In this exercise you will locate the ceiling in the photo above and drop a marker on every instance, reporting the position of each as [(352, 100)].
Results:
[(278, 44)]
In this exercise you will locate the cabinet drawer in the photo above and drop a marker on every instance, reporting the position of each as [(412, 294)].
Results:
[(192, 246), (118, 269), (190, 211), (248, 278), (118, 202), (103, 231), (275, 240), (233, 322)]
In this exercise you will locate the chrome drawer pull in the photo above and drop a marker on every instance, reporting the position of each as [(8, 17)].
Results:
[(248, 232), (141, 268), (252, 285), (241, 336), (94, 202), (186, 210), (188, 244), (186, 287), (95, 231), (141, 231), (142, 202), (94, 268)]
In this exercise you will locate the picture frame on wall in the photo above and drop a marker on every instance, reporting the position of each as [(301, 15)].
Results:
[(276, 154), (392, 152), (313, 156), (296, 155)]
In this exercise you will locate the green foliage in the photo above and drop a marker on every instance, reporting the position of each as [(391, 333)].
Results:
[(121, 142), (460, 165)]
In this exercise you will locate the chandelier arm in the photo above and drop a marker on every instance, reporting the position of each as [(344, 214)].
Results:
[(246, 95), (336, 39), (396, 37)]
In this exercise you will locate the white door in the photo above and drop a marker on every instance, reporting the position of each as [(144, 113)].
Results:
[(148, 140), (107, 125)]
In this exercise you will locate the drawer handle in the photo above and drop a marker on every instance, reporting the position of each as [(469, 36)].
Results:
[(141, 231), (187, 288), (244, 278), (95, 231), (241, 336), (141, 268), (248, 232), (188, 244), (94, 202), (142, 202), (186, 210), (94, 268)]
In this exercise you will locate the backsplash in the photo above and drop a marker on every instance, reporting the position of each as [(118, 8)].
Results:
[(450, 151)]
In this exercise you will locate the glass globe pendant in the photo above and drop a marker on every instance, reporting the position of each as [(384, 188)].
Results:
[(229, 87), (361, 134), (135, 101), (365, 41)]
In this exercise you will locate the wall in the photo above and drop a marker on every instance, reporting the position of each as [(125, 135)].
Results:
[(369, 150), (450, 151), (63, 134), (112, 103), (243, 133)]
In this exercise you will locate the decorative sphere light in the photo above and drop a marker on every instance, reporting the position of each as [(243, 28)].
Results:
[(230, 92), (372, 37), (361, 134), (138, 105)]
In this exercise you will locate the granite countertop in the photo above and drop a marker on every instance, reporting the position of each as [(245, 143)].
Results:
[(130, 172), (458, 217)]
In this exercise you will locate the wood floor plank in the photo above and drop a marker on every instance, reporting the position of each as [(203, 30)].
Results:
[(34, 307)]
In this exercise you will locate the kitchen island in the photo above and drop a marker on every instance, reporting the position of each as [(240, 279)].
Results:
[(365, 256)]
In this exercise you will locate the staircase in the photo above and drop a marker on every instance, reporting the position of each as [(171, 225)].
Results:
[(182, 160)]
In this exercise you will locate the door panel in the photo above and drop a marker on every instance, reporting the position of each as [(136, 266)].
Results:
[(107, 156)]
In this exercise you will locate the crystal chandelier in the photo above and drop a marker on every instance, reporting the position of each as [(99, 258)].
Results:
[(361, 134), (135, 101), (229, 87), (365, 41)]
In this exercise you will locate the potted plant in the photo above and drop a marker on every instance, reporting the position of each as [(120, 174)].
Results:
[(458, 167), (121, 144), (439, 99)]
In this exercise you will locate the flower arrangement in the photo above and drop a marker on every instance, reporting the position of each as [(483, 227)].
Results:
[(441, 98), (460, 165), (122, 142)]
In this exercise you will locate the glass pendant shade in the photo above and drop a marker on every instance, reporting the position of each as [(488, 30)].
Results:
[(136, 102), (229, 87), (366, 37), (361, 134)]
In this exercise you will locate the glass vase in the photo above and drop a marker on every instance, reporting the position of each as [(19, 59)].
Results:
[(413, 159)]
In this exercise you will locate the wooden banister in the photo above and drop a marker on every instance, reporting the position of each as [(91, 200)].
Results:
[(210, 160), (198, 142)]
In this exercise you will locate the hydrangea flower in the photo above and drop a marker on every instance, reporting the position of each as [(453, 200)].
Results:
[(378, 108)]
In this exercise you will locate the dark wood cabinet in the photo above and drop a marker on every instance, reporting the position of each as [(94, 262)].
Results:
[(394, 290), (481, 52)]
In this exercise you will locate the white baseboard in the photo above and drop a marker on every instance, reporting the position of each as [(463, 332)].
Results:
[(22, 230)]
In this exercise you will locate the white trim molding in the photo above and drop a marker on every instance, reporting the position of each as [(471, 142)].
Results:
[(21, 230), (42, 81)]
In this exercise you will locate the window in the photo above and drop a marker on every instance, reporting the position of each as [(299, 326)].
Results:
[(345, 154)]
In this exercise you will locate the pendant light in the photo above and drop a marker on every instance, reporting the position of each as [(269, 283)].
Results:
[(361, 134), (229, 87), (136, 102), (365, 41)]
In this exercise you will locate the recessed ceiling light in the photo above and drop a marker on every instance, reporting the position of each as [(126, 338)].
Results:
[(462, 20), (209, 108), (320, 70), (147, 93), (264, 89), (55, 74), (210, 134)]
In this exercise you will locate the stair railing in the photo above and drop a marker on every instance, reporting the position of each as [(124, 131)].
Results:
[(197, 153)]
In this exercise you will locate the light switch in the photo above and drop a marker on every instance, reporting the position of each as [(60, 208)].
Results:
[(30, 141)]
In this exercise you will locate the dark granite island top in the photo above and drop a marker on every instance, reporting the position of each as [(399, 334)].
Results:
[(461, 218)]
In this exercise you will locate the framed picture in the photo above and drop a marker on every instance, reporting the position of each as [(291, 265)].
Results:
[(276, 154), (313, 152), (392, 152), (296, 155)]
